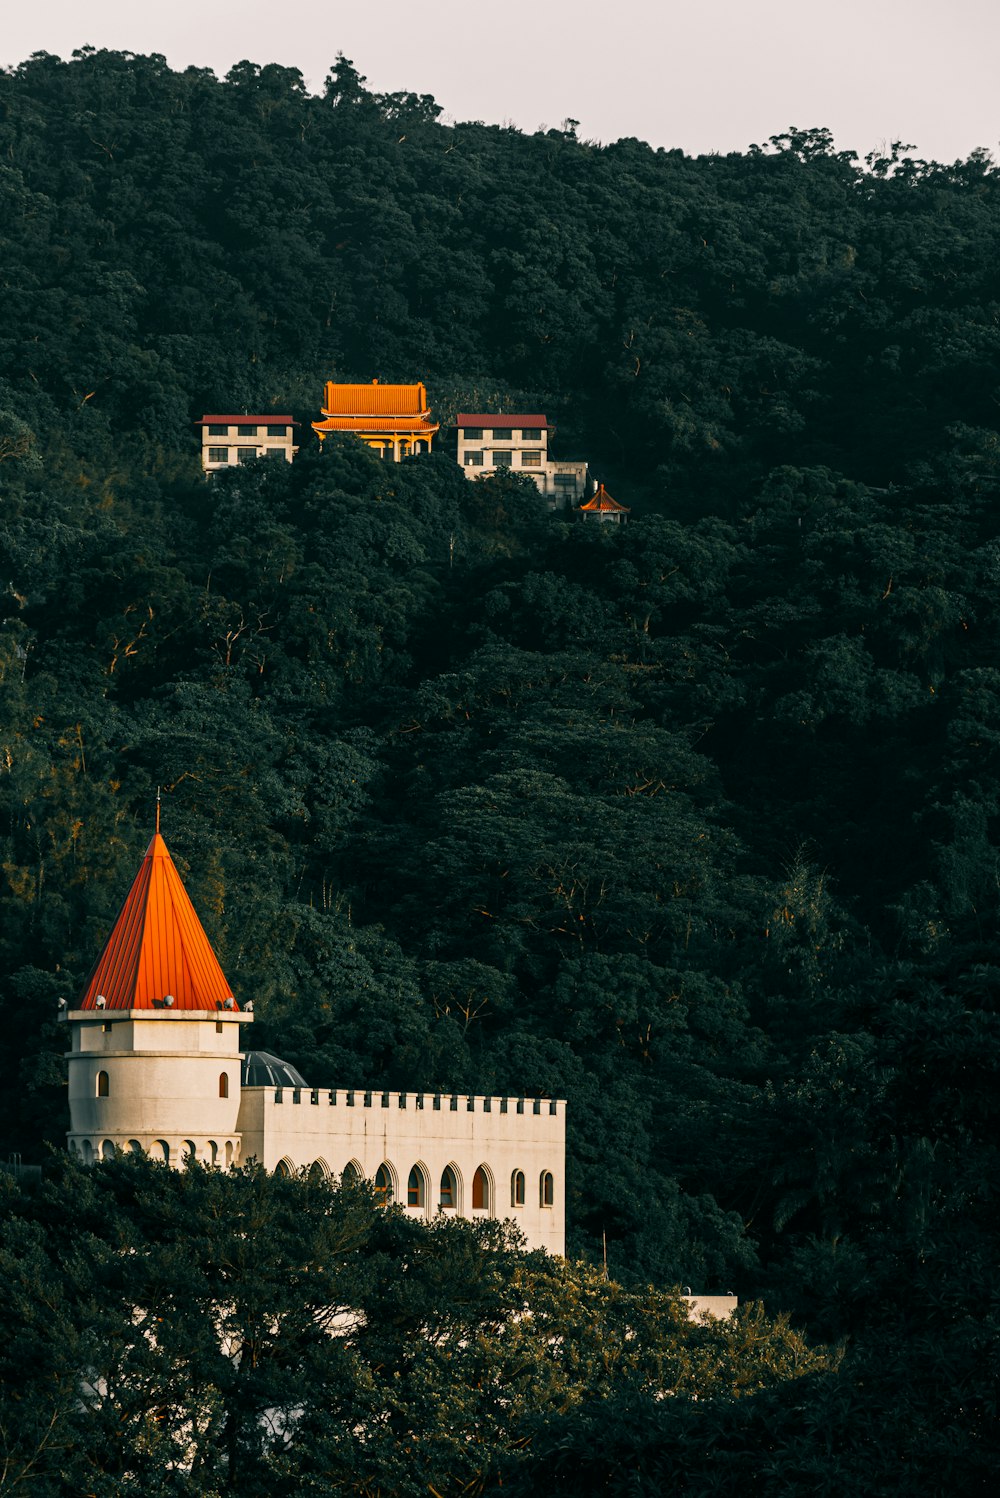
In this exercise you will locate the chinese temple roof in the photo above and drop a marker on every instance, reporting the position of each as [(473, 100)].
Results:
[(375, 424), (374, 400), (504, 422), (157, 949), (602, 501)]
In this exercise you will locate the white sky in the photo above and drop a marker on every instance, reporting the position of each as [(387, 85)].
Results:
[(700, 74)]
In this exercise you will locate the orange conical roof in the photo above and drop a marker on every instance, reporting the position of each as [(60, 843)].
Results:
[(157, 947)]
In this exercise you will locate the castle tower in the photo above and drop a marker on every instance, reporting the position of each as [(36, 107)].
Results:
[(154, 1059)]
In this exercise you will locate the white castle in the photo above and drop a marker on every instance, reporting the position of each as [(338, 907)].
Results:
[(156, 1065)]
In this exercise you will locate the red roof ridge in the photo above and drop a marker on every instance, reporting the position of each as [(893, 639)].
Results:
[(157, 947), (501, 419), (244, 418)]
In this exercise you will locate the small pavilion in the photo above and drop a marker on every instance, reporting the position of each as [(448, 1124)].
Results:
[(394, 420), (601, 507)]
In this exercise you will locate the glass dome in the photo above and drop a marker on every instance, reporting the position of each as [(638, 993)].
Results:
[(261, 1069)]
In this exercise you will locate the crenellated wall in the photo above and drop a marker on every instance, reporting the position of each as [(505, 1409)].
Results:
[(424, 1133)]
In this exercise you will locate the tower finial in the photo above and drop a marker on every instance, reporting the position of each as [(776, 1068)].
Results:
[(157, 808)]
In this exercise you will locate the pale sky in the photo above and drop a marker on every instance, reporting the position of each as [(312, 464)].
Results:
[(704, 75)]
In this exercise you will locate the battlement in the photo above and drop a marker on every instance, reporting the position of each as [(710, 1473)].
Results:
[(435, 1102)]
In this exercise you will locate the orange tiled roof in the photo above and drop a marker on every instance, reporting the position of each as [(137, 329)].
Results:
[(157, 946), (374, 400), (602, 501), (375, 424)]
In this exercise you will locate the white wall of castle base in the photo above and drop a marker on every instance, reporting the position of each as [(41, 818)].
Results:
[(403, 1131)]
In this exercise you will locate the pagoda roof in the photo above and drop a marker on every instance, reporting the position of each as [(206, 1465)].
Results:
[(157, 947), (375, 424), (496, 419), (602, 501), (374, 400), (241, 418)]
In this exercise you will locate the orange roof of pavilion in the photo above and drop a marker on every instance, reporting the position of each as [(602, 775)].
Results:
[(374, 400), (602, 501), (402, 424), (157, 947)]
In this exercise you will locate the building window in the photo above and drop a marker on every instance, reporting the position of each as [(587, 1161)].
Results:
[(415, 1188), (383, 1186), (103, 1085), (245, 454), (517, 1189), (274, 452), (245, 431), (224, 1084), (217, 431), (351, 1174), (449, 1189), (501, 460), (503, 434), (480, 1191), (472, 434), (281, 1169), (218, 454), (531, 434), (474, 460), (564, 480), (531, 459), (277, 431), (546, 1189)]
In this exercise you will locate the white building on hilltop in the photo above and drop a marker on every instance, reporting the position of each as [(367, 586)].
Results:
[(156, 1064), (489, 441)]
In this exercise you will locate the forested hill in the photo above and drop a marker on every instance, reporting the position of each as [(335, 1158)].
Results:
[(693, 823)]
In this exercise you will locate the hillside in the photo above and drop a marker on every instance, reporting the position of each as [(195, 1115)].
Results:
[(694, 824)]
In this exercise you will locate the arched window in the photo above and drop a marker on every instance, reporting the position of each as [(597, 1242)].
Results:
[(189, 1150), (103, 1085), (224, 1084), (318, 1171), (449, 1189), (160, 1150), (350, 1175), (229, 1153), (383, 1186), (134, 1147), (480, 1191), (88, 1152), (546, 1189), (517, 1189), (415, 1189), (108, 1150), (213, 1152), (281, 1169)]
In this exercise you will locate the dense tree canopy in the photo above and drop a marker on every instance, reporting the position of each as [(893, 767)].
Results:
[(693, 822)]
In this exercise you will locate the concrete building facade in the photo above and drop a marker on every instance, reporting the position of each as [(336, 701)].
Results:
[(230, 440), (488, 440)]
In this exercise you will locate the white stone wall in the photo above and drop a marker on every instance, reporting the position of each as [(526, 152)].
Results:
[(365, 1130)]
